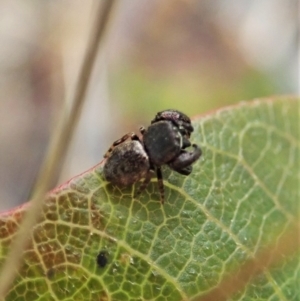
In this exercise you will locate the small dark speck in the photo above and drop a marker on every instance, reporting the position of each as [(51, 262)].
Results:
[(50, 273), (102, 259)]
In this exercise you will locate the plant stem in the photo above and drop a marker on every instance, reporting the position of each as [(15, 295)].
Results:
[(57, 150)]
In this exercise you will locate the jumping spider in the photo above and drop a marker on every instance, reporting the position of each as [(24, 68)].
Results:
[(131, 158)]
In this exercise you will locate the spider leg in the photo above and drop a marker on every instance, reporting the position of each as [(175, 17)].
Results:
[(135, 137), (185, 159), (144, 184), (142, 130), (131, 135), (160, 184)]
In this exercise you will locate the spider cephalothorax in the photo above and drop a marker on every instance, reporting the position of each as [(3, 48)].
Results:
[(164, 142), (182, 121)]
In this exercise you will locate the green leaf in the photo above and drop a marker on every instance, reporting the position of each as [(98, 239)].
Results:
[(240, 200)]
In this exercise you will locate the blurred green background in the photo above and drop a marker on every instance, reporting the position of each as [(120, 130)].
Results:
[(195, 56)]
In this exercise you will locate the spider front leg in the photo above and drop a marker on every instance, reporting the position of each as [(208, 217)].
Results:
[(131, 135), (182, 163)]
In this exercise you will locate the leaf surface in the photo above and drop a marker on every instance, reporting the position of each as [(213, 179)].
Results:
[(240, 199)]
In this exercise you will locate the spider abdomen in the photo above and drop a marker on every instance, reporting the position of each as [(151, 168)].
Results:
[(127, 163)]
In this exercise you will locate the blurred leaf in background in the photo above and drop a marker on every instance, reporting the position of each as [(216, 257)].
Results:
[(191, 55)]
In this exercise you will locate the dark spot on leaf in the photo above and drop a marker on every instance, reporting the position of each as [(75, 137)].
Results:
[(50, 273), (102, 259)]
